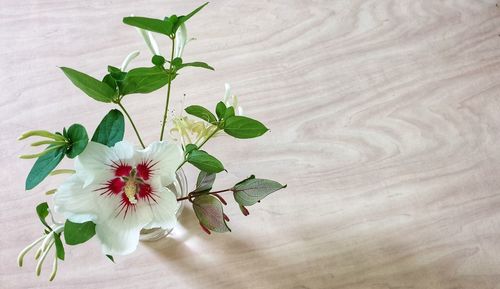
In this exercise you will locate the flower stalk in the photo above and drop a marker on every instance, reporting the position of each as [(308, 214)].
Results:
[(194, 194), (47, 242), (132, 123), (169, 85)]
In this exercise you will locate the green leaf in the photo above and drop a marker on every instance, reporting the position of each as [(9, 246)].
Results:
[(177, 62), (116, 73), (182, 19), (113, 69), (249, 178), (172, 19), (209, 212), (158, 60), (111, 129), (59, 246), (78, 140), (144, 80), (205, 181), (42, 210), (201, 112), (43, 166), (220, 109), (205, 162), (111, 258), (190, 147), (252, 190), (150, 24), (109, 80), (197, 64), (229, 112), (92, 87), (244, 127), (77, 233)]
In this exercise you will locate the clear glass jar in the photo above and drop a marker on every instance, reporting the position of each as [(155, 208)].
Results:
[(180, 189)]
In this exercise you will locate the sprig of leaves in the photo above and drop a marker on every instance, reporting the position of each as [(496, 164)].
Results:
[(251, 190), (208, 206), (43, 211), (70, 142), (167, 26)]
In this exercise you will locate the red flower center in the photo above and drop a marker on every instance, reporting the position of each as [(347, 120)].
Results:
[(130, 185)]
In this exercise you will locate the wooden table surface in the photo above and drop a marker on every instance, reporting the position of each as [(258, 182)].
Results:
[(384, 120)]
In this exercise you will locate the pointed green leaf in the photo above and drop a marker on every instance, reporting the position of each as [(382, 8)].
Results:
[(220, 109), (205, 181), (109, 80), (205, 162), (111, 258), (144, 80), (252, 190), (197, 64), (43, 166), (111, 129), (77, 233), (244, 127), (229, 112), (78, 140), (92, 87), (201, 112), (183, 19), (150, 24), (209, 212), (42, 210), (59, 246), (190, 147)]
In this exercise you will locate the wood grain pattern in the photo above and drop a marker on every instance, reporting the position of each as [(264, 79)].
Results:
[(385, 125)]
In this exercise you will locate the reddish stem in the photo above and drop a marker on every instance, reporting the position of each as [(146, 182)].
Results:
[(194, 194)]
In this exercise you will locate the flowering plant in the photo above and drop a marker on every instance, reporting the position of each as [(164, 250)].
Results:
[(117, 189)]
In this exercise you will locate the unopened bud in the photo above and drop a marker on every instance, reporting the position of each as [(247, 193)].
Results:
[(220, 198), (205, 229), (244, 210)]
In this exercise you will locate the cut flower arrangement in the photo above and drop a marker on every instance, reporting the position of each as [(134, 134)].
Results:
[(117, 190)]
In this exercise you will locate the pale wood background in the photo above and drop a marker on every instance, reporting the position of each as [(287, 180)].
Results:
[(385, 125)]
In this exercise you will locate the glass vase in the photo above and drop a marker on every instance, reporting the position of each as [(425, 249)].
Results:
[(180, 188)]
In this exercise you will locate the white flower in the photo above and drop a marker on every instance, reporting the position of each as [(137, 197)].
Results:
[(122, 190), (190, 131), (194, 131), (232, 100), (131, 56), (180, 40)]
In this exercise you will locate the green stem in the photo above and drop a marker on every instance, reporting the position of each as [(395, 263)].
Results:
[(168, 90), (199, 147), (131, 122)]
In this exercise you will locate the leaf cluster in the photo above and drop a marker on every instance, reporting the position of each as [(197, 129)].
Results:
[(209, 206)]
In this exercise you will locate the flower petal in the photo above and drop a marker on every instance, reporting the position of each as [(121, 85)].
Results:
[(164, 210), (74, 202), (180, 40), (227, 94), (122, 151), (166, 157), (90, 165), (116, 238)]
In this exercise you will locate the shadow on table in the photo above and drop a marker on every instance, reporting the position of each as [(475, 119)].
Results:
[(224, 263), (384, 260)]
